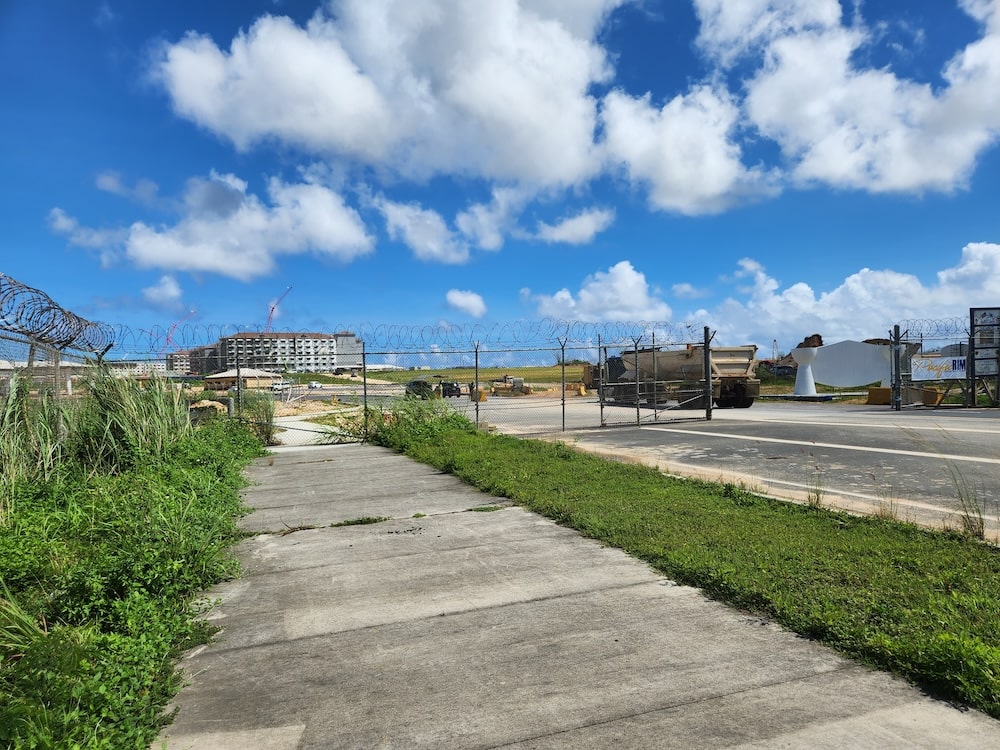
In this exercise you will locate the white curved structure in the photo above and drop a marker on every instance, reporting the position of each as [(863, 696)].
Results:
[(805, 384), (848, 364)]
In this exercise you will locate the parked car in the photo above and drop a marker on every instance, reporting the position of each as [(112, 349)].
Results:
[(419, 389), (315, 384), (450, 389)]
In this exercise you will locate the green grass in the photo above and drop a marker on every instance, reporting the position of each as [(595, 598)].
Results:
[(535, 375), (922, 604), (103, 554)]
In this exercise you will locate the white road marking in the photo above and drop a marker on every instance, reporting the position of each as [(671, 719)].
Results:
[(837, 446)]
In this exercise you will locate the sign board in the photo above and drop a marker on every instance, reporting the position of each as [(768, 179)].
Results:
[(937, 368), (985, 329)]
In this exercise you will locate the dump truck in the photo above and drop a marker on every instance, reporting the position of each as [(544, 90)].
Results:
[(660, 376)]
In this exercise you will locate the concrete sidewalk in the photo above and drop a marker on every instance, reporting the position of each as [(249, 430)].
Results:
[(444, 627)]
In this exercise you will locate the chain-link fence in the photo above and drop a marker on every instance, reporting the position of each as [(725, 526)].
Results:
[(948, 355)]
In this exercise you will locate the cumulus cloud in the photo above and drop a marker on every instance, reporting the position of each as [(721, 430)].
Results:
[(499, 90), (865, 305), (486, 224), (579, 229), (422, 230), (507, 91), (226, 230), (467, 302), (684, 152), (105, 241), (165, 295), (848, 126), (229, 231), (619, 294)]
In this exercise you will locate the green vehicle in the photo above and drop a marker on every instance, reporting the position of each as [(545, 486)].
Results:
[(419, 389)]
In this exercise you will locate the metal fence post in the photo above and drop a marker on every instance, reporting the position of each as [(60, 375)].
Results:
[(600, 379), (635, 357), (476, 382), (562, 358), (656, 379), (708, 374), (897, 375), (364, 388)]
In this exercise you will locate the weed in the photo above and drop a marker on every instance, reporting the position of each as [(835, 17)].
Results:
[(886, 503), (486, 508), (362, 521), (739, 494), (814, 497), (971, 513)]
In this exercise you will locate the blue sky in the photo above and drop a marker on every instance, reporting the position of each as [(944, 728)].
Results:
[(771, 169)]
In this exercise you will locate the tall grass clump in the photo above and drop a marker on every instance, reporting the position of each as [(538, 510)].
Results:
[(258, 414), (30, 448), (410, 421), (115, 514), (123, 420)]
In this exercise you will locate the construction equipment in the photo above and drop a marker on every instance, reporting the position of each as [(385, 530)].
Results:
[(660, 376), (273, 309)]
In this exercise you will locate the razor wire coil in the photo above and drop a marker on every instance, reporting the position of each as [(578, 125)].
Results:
[(32, 314)]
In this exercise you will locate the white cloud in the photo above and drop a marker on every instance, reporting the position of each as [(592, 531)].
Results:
[(228, 231), (684, 152), (485, 224), (234, 233), (423, 231), (497, 89), (144, 191), (865, 305), (685, 290), (579, 229), (505, 91), (619, 294), (106, 241), (166, 294), (468, 302), (730, 30), (851, 127)]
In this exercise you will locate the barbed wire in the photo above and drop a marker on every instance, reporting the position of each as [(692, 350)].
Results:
[(31, 313), (929, 328), (547, 332)]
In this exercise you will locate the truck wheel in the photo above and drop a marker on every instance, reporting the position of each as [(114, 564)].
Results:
[(744, 403)]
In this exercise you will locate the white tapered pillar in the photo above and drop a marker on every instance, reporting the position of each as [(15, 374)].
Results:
[(805, 384)]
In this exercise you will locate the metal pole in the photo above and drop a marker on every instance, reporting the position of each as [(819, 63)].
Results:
[(656, 378), (635, 357), (239, 386), (562, 347), (476, 383), (708, 374), (600, 379), (897, 375), (364, 386), (970, 373)]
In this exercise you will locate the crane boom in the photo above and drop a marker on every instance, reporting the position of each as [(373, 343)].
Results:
[(274, 308)]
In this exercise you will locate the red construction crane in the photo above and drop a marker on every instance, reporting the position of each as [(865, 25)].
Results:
[(173, 329), (274, 308)]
